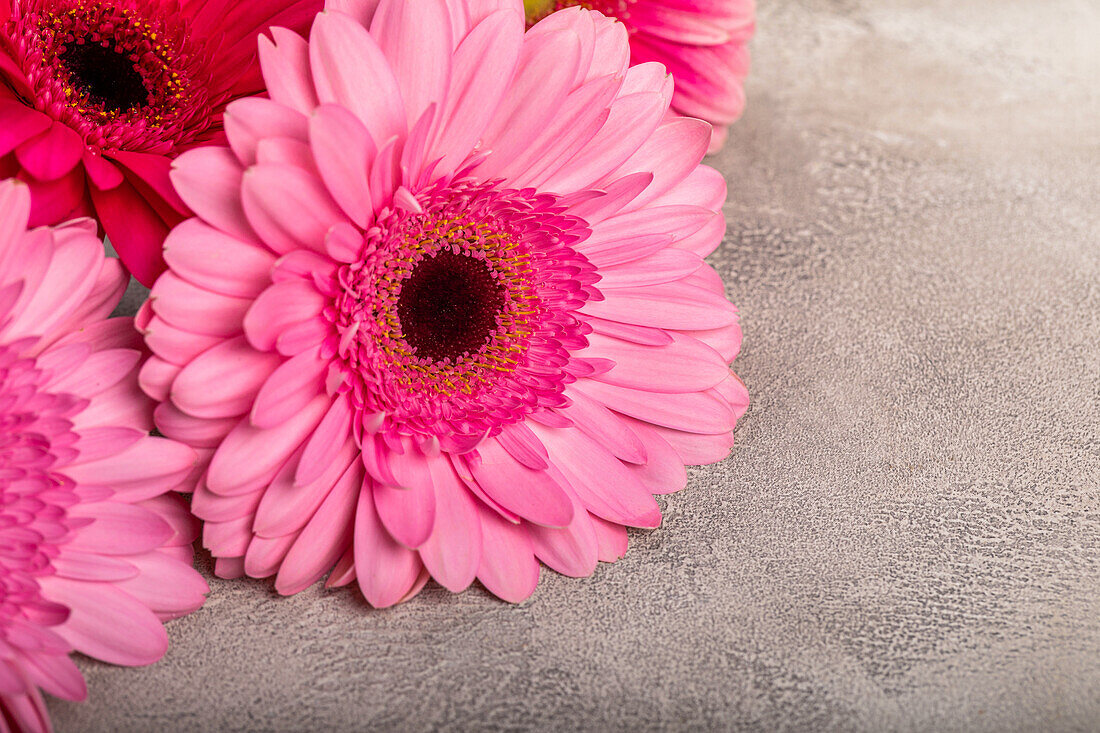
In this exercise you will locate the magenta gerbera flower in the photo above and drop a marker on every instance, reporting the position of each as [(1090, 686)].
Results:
[(703, 44), (97, 98), (444, 309), (94, 554)]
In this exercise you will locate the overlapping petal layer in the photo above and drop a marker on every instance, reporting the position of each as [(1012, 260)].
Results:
[(443, 311), (94, 551), (702, 43), (97, 98)]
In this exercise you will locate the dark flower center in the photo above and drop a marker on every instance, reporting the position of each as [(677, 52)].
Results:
[(448, 305), (105, 74)]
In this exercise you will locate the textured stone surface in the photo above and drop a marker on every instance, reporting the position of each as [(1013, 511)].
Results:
[(907, 536)]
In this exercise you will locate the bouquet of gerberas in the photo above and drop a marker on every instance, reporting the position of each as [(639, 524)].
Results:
[(433, 306)]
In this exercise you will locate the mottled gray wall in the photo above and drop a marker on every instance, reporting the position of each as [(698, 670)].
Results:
[(907, 536)]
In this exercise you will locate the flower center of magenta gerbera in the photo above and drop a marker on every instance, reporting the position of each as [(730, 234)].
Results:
[(536, 10), (105, 74), (124, 75), (460, 316)]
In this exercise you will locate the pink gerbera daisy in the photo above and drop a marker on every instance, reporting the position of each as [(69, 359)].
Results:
[(96, 98), (703, 43), (444, 309), (94, 554)]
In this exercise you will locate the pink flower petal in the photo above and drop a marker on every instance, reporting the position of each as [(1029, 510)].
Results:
[(292, 386), (671, 154), (288, 208), (249, 120), (694, 412), (628, 332), (343, 151), (212, 507), (108, 333), (153, 171), (58, 200), (421, 77), (524, 446), (362, 10), (229, 568), (733, 390), (685, 365), (661, 267), (208, 179), (574, 125), (135, 229), (57, 675), (175, 345), (106, 623), (266, 554), (325, 538), (611, 539), (286, 151), (632, 236), (476, 87), (630, 122), (146, 468), (508, 568), (601, 424), (704, 186), (615, 196), (670, 305), (301, 336), (224, 380), (683, 25), (79, 565), (572, 550), (343, 572), (196, 309), (603, 484), (27, 711), (102, 173), (453, 551), (694, 449), (386, 570), (409, 469), (96, 443), (277, 309), (215, 261), (228, 539), (117, 528), (533, 495), (407, 514), (325, 443), (350, 69), (544, 76), (287, 505), (663, 471), (725, 340), (100, 371), (165, 585), (249, 453), (15, 202), (196, 432), (121, 405), (285, 63), (69, 278)]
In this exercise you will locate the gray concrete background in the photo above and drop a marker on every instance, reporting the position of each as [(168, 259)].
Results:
[(907, 535)]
